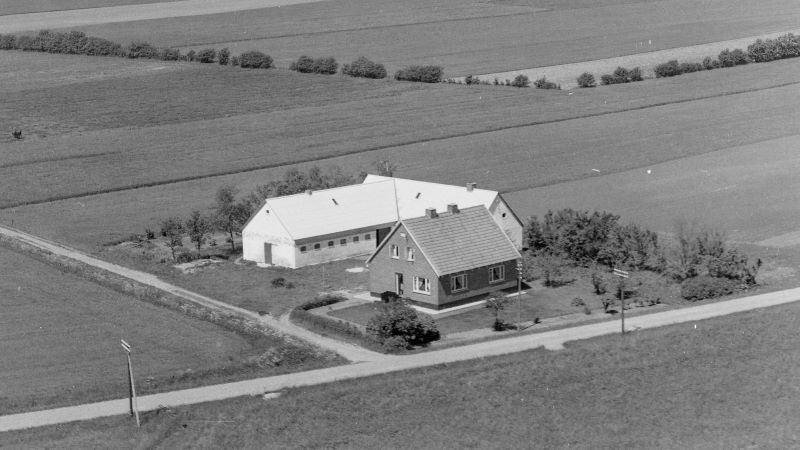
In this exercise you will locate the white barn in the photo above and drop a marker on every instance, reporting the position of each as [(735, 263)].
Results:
[(320, 226)]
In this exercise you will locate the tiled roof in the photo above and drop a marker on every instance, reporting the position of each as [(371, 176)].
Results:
[(461, 241)]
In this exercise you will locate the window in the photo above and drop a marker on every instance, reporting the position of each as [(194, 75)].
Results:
[(395, 251), (458, 282), (504, 214), (330, 244), (355, 239), (410, 253), (303, 249), (422, 285), (317, 246), (497, 273), (343, 241), (367, 236)]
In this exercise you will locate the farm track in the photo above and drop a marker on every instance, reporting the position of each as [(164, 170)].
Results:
[(372, 149)]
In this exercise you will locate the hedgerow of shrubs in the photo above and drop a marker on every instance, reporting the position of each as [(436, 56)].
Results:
[(586, 80), (206, 55), (255, 60), (622, 75), (364, 68), (307, 64), (422, 74), (543, 83), (397, 326), (705, 286)]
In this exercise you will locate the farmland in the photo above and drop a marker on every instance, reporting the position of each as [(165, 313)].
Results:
[(60, 341), (30, 6), (612, 129), (464, 38), (711, 384)]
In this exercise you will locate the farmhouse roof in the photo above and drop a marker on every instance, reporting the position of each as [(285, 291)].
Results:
[(414, 197), (329, 211), (459, 241)]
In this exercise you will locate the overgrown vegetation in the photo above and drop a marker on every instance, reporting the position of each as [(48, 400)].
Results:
[(622, 75), (397, 326), (544, 83), (364, 68), (586, 80), (306, 64), (422, 74)]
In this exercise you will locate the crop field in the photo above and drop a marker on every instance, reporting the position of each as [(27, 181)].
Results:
[(720, 383), (465, 37), (449, 127), (60, 333), (30, 6)]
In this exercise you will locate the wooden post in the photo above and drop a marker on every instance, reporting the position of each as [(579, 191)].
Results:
[(131, 385), (519, 295), (622, 275)]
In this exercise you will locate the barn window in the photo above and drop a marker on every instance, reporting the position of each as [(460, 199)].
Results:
[(330, 244), (343, 241), (367, 237), (497, 273), (422, 285), (317, 246), (355, 239), (458, 283), (395, 252), (303, 249)]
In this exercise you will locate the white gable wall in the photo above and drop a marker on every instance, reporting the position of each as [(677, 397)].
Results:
[(507, 221), (265, 227)]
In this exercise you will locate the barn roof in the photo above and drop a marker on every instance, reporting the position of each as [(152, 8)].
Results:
[(455, 242)]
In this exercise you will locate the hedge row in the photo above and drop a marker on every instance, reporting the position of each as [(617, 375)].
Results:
[(423, 74), (306, 64), (328, 325)]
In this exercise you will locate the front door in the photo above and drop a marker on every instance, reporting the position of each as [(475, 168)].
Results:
[(267, 253), (398, 284)]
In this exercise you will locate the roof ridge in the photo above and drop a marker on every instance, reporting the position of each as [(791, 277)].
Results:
[(351, 186)]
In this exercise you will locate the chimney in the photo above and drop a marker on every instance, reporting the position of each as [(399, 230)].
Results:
[(431, 213), (471, 186), (309, 191), (452, 208)]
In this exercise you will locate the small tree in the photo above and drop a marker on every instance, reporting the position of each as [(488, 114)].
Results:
[(385, 168), (255, 60), (544, 83), (206, 55), (521, 81), (586, 80), (198, 227), (398, 326), (230, 215), (224, 56), (172, 229), (497, 302), (364, 68)]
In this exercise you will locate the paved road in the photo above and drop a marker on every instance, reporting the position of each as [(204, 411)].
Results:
[(553, 340), (348, 351), (74, 18)]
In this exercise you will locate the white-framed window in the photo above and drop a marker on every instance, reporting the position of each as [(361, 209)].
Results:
[(303, 249), (367, 236), (458, 282), (422, 285), (395, 252), (410, 253), (497, 274), (355, 239), (343, 241), (317, 246), (330, 244)]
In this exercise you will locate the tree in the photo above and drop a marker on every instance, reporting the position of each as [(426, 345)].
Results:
[(198, 226), (398, 326), (224, 56), (206, 55), (385, 168), (497, 302), (586, 80), (172, 229), (230, 215), (521, 81)]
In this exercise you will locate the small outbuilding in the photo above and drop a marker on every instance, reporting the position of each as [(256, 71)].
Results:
[(444, 259)]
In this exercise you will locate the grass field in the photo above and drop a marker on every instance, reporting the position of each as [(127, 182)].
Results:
[(30, 6), (467, 37), (724, 383), (522, 156), (60, 341)]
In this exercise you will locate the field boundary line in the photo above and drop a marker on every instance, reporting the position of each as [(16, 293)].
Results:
[(552, 340), (385, 147), (348, 351)]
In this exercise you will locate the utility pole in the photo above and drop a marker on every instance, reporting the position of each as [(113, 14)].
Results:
[(131, 385), (519, 295), (622, 276)]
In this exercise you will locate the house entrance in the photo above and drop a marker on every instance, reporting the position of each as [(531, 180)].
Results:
[(267, 253), (398, 284)]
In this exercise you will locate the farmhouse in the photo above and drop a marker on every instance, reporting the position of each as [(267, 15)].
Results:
[(444, 259), (320, 226)]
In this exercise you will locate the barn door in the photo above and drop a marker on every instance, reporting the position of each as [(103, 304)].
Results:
[(267, 253)]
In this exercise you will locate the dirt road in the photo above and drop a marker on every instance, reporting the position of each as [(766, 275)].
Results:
[(113, 14), (553, 340)]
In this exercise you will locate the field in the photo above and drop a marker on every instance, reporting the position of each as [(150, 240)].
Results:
[(720, 383), (60, 341), (30, 6), (432, 132), (464, 37)]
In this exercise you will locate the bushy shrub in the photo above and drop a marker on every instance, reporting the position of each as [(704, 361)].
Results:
[(730, 58), (689, 67), (599, 283), (139, 49), (234, 60), (322, 300), (668, 69), (8, 41), (705, 286), (635, 74), (543, 83), (304, 64), (326, 66), (26, 43), (278, 282), (622, 75), (472, 79), (578, 302), (364, 68), (224, 56), (710, 63), (398, 325), (521, 81), (255, 60), (422, 74), (170, 54), (96, 46), (191, 55), (206, 55), (763, 51), (586, 80)]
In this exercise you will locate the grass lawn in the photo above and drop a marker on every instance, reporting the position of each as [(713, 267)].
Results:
[(729, 382), (60, 342), (527, 155), (465, 37)]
